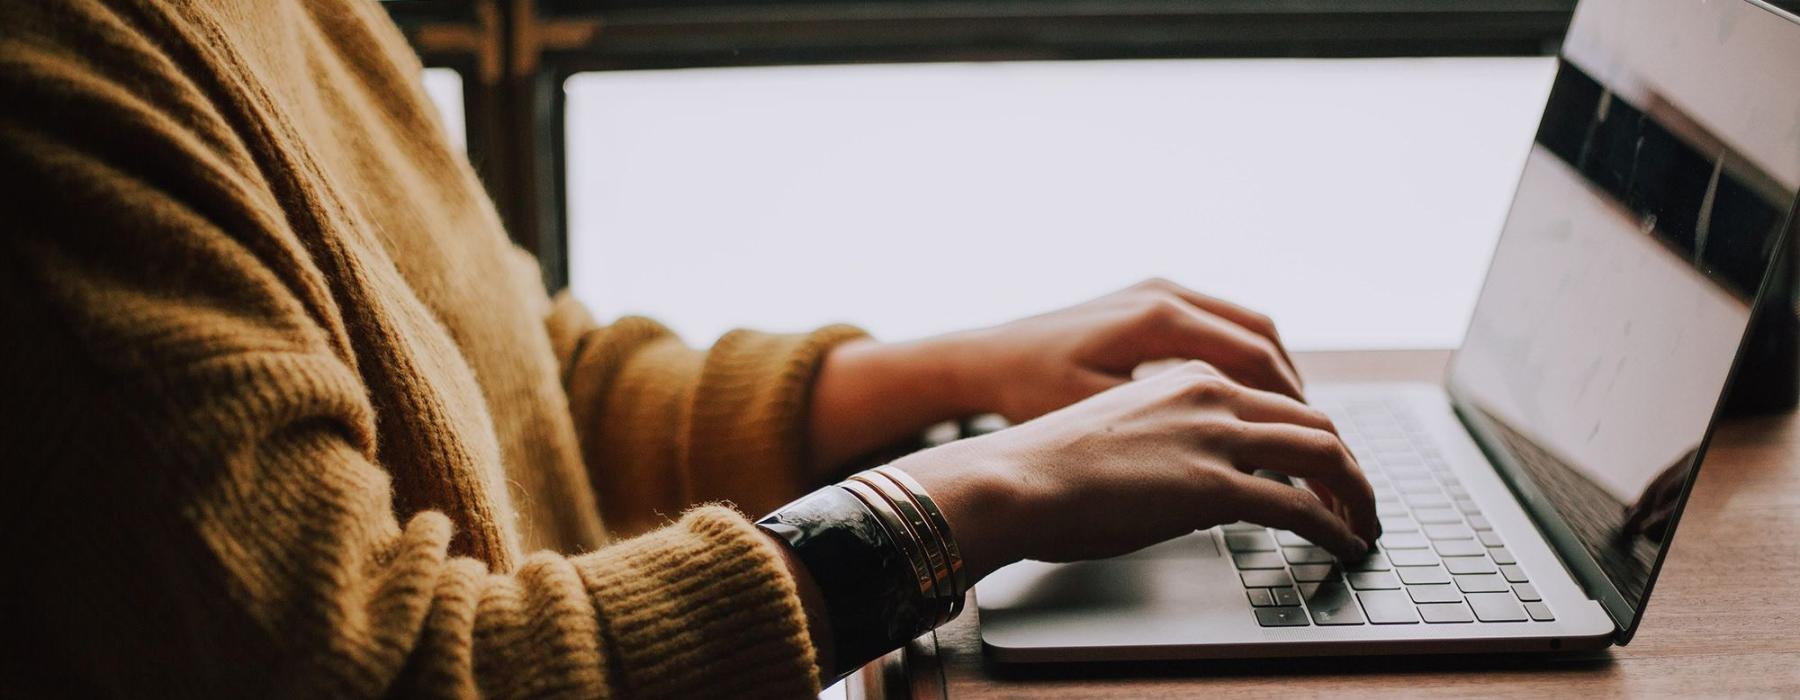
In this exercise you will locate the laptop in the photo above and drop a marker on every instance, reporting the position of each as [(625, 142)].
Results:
[(1528, 500)]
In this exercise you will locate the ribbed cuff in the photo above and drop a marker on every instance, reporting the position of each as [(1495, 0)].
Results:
[(702, 608), (749, 431)]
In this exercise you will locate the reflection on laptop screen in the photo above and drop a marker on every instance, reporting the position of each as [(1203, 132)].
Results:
[(1664, 171)]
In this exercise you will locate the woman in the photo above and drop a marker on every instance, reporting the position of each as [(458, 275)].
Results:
[(287, 413)]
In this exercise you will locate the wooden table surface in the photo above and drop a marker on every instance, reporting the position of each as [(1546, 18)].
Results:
[(1724, 618)]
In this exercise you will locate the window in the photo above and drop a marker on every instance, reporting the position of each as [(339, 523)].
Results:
[(567, 123), (1357, 201), (445, 87)]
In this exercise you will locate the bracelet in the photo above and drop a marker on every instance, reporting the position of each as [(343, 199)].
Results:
[(914, 518), (883, 558), (866, 579), (958, 574)]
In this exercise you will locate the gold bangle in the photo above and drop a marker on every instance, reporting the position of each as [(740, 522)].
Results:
[(953, 553), (916, 526), (924, 533), (897, 532)]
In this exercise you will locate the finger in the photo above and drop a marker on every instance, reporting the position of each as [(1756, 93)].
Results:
[(1244, 356), (1164, 365), (1269, 407), (1248, 319), (1316, 456), (1278, 505)]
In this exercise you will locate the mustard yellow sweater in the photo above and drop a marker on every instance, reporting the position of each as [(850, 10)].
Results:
[(283, 413)]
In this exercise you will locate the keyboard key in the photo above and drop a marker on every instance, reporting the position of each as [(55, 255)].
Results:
[(1281, 617), (1426, 500), (1497, 607), (1398, 524), (1241, 526), (1382, 429), (1391, 446), (1469, 565), (1332, 604), (1404, 540), (1539, 612), (1489, 538), (1285, 596), (1502, 555), (1467, 506), (1307, 555), (1373, 580), (1440, 613), (1432, 516), (1444, 593), (1410, 487), (1416, 575), (1258, 560), (1513, 573), (1266, 578), (1459, 548), (1260, 597), (1480, 522), (1313, 572), (1373, 562), (1249, 542), (1392, 509), (1456, 531), (1483, 583), (1526, 592), (1289, 539), (1412, 470), (1388, 607), (1413, 557)]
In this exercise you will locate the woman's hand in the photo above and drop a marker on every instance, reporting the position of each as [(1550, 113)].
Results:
[(870, 394), (1036, 365), (1145, 462)]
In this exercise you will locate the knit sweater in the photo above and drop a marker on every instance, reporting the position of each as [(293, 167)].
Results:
[(285, 414)]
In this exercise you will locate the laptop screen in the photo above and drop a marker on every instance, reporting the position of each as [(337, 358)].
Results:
[(1651, 206)]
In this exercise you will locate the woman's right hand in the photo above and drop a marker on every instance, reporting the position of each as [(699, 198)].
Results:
[(1145, 462)]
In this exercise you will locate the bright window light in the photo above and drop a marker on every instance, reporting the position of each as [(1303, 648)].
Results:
[(445, 87), (1356, 201)]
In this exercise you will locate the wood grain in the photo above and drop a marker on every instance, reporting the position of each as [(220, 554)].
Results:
[(1724, 618)]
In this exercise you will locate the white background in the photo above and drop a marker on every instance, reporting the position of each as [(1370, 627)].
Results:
[(1356, 201)]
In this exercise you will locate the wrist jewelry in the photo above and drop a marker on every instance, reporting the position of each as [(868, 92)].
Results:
[(883, 557)]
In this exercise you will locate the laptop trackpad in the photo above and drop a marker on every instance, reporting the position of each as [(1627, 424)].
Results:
[(1163, 574)]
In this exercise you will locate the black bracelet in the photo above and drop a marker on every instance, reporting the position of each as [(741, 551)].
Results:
[(866, 578)]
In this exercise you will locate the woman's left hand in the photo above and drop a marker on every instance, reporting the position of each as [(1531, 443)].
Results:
[(869, 394), (1036, 365)]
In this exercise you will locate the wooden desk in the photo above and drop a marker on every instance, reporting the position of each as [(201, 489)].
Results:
[(1724, 618)]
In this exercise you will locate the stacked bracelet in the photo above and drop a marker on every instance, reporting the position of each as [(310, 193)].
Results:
[(897, 498), (882, 556)]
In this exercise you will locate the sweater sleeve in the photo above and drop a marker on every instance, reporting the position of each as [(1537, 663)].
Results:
[(194, 501), (663, 425)]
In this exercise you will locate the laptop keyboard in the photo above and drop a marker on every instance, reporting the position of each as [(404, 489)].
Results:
[(1438, 560)]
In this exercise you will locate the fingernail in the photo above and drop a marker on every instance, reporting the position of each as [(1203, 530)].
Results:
[(1362, 548)]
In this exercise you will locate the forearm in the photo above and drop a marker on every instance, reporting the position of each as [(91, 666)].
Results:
[(870, 394)]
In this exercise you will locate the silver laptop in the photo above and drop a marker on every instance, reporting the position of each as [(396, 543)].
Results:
[(1528, 501)]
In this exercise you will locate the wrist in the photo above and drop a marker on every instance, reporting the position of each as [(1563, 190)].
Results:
[(958, 372), (980, 502)]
